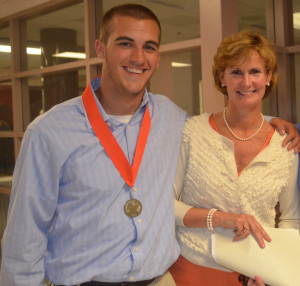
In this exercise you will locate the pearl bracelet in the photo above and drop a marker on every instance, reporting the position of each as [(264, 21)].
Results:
[(209, 219)]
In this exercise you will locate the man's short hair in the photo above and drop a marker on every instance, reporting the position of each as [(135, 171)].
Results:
[(135, 11)]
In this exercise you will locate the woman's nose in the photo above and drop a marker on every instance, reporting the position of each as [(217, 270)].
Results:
[(246, 80)]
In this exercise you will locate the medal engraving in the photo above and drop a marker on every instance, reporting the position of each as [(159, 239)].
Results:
[(133, 208)]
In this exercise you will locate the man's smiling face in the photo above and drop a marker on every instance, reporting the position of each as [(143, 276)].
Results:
[(131, 54)]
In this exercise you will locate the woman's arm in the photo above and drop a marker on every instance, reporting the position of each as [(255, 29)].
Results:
[(242, 224), (180, 207)]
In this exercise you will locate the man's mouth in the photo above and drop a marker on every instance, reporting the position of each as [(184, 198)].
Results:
[(134, 70)]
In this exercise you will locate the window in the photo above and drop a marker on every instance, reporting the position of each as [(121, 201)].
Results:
[(252, 15), (7, 159), (40, 93), (296, 21), (54, 38), (296, 24), (179, 78), (6, 115), (179, 19), (5, 64)]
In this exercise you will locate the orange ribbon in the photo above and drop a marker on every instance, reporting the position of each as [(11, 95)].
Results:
[(109, 142)]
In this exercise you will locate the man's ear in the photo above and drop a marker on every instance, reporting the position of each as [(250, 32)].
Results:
[(100, 49)]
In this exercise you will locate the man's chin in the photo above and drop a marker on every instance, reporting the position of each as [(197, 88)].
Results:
[(134, 91)]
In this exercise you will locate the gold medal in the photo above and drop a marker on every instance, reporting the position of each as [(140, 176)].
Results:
[(133, 208)]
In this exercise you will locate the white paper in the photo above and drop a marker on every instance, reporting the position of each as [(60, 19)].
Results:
[(278, 264)]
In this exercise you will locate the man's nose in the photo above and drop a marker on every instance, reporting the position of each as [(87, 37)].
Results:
[(138, 55)]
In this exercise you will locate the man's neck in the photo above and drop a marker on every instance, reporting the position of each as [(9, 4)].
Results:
[(119, 105)]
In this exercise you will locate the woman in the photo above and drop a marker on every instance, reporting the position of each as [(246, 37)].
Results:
[(232, 170)]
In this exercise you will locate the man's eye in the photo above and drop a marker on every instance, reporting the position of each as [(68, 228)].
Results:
[(150, 48), (125, 44)]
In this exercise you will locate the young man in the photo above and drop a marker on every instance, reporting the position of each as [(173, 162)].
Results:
[(78, 211), (92, 195)]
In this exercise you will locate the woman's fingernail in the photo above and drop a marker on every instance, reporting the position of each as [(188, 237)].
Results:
[(263, 245)]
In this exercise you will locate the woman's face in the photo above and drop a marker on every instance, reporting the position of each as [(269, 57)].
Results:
[(246, 81)]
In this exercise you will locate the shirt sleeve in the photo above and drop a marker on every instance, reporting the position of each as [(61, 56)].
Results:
[(289, 200), (268, 118), (180, 207), (31, 209)]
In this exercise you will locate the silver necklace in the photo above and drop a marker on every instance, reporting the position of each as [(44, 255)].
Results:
[(239, 138)]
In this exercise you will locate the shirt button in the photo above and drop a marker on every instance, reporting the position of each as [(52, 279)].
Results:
[(134, 189), (139, 220), (136, 249), (131, 278)]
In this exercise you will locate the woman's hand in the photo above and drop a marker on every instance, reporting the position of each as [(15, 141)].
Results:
[(243, 225), (256, 282)]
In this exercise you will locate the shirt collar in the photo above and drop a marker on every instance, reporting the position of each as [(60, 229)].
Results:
[(95, 84)]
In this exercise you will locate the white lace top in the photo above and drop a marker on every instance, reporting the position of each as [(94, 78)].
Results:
[(207, 178)]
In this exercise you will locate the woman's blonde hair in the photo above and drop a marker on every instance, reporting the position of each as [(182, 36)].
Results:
[(240, 45)]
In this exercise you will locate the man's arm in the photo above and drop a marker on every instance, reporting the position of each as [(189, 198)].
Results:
[(32, 205), (256, 282), (292, 140)]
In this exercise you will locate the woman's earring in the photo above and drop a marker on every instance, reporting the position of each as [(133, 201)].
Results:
[(222, 85), (268, 84)]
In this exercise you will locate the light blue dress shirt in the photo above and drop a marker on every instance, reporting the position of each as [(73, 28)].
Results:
[(298, 127), (66, 219)]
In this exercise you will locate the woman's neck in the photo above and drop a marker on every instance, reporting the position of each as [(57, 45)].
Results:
[(245, 119)]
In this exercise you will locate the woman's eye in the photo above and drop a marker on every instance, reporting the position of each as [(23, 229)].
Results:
[(236, 72), (255, 71)]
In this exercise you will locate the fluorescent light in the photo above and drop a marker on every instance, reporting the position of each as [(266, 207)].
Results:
[(37, 51), (70, 55), (296, 18), (180, 65), (33, 51), (5, 49), (30, 51)]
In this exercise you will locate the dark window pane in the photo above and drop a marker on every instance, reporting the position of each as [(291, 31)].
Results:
[(42, 93), (6, 115), (7, 160)]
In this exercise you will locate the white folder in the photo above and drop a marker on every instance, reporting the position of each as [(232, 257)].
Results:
[(278, 264)]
